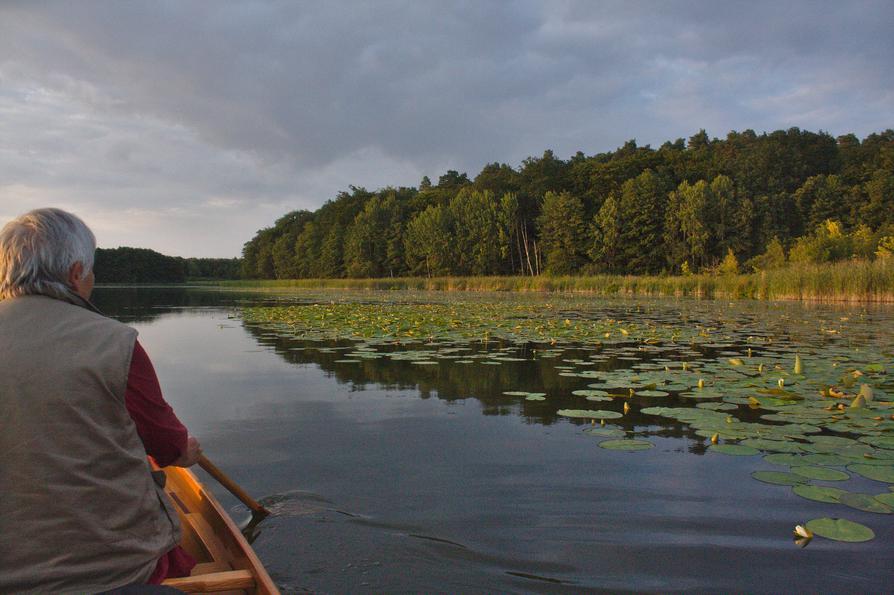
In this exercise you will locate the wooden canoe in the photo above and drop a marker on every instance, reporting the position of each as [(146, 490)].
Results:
[(226, 562)]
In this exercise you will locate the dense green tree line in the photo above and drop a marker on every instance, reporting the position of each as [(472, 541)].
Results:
[(141, 265), (686, 206)]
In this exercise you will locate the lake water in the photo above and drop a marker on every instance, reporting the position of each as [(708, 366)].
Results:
[(418, 474)]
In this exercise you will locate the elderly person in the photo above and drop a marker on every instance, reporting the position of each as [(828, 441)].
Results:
[(81, 408)]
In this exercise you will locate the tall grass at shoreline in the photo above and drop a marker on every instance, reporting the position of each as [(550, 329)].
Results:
[(847, 281)]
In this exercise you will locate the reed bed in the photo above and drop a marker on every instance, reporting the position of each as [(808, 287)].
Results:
[(846, 281)]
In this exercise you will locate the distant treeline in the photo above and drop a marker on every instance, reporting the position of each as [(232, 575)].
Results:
[(746, 202), (141, 265)]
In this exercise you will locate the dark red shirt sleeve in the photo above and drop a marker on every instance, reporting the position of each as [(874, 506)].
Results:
[(163, 436)]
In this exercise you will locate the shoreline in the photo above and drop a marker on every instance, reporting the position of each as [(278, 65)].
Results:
[(851, 282)]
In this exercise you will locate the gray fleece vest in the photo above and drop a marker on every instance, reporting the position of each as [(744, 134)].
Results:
[(79, 510)]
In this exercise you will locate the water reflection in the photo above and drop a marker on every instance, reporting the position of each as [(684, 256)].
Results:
[(752, 328), (388, 475)]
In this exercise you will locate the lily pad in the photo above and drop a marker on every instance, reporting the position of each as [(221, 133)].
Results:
[(784, 459), (818, 493), (590, 393), (778, 478), (651, 393), (626, 444), (876, 472), (606, 432), (841, 530), (879, 441), (865, 502), (820, 473), (718, 406), (589, 414), (833, 441), (535, 398), (772, 445), (825, 459)]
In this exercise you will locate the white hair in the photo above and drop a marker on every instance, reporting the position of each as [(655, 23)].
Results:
[(38, 249)]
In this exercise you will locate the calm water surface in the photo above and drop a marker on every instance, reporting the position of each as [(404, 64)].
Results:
[(391, 477)]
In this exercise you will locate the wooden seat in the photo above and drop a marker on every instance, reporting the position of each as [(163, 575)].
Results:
[(214, 582)]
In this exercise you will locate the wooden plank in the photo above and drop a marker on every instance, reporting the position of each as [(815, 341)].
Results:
[(193, 545), (209, 539), (214, 582)]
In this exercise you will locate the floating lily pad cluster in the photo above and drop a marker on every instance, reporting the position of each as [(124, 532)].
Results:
[(813, 394)]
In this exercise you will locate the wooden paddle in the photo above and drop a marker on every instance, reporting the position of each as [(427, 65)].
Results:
[(258, 511)]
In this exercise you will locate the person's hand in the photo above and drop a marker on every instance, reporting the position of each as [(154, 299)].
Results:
[(192, 454)]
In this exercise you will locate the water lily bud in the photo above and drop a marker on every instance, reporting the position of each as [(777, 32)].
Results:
[(802, 531), (799, 369)]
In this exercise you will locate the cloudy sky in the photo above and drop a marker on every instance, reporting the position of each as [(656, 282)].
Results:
[(186, 126)]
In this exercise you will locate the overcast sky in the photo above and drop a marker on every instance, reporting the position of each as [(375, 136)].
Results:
[(186, 126)]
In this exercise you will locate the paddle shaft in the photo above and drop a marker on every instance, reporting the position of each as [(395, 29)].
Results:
[(231, 485)]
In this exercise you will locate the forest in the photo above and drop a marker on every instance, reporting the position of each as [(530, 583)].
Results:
[(749, 202), (141, 265)]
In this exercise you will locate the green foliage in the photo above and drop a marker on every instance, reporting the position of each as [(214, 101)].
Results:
[(730, 264), (879, 204), (772, 258), (137, 265), (479, 233), (829, 243), (372, 246), (642, 210), (562, 233), (213, 268), (821, 198), (687, 228), (635, 210), (605, 236), (427, 243), (885, 248)]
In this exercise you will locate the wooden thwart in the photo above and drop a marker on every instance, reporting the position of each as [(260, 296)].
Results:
[(214, 582)]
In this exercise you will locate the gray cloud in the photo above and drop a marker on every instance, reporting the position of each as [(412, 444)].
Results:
[(186, 126)]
